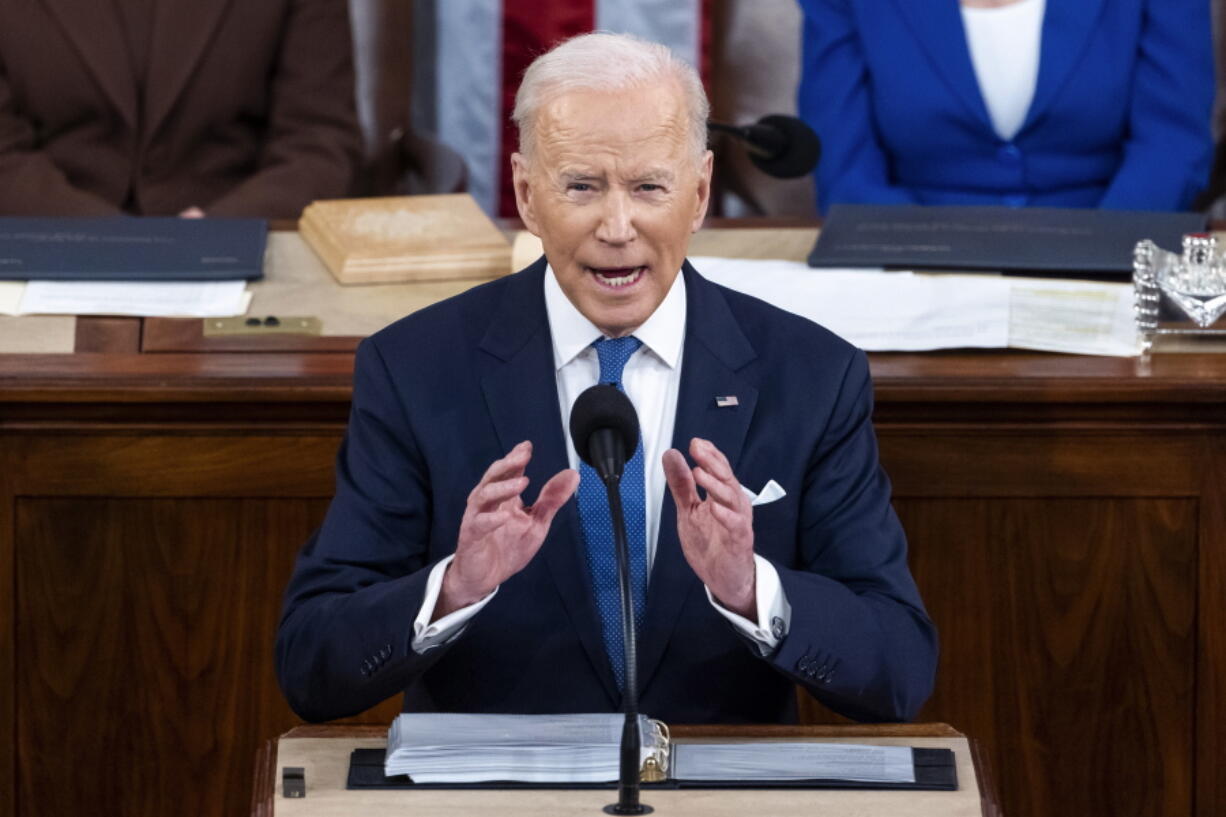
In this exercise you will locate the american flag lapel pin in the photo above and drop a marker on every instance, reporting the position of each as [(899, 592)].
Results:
[(726, 401)]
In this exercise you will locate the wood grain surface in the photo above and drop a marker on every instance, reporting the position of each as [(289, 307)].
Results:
[(1068, 644), (9, 708), (146, 628), (1168, 386), (1209, 740), (100, 335), (210, 462)]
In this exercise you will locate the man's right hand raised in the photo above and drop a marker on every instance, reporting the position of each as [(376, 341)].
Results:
[(498, 534)]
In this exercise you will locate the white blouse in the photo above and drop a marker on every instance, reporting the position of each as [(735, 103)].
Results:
[(1005, 45)]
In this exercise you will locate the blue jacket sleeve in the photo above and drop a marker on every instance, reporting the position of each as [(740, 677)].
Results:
[(834, 100), (343, 644), (1169, 145), (860, 639)]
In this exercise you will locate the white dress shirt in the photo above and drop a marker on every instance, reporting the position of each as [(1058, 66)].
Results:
[(1005, 47), (652, 380)]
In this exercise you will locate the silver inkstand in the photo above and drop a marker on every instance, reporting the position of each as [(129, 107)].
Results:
[(1179, 295)]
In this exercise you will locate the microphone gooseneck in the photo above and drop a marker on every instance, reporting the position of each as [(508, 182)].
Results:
[(605, 430), (778, 145)]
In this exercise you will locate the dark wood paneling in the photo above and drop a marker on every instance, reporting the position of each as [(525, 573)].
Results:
[(1068, 634), (184, 465), (987, 461), (108, 335), (8, 656), (76, 612), (145, 630), (930, 385), (1066, 516), (147, 378), (1210, 737)]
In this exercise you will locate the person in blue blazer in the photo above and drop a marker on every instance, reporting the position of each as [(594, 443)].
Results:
[(454, 564), (1120, 114)]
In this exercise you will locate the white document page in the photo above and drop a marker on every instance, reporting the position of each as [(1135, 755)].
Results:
[(171, 299), (793, 761), (449, 747), (877, 311), (10, 296), (1073, 316)]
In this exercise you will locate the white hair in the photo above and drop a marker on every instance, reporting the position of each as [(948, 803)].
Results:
[(607, 62)]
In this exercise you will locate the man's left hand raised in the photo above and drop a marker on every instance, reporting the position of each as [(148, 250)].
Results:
[(716, 533)]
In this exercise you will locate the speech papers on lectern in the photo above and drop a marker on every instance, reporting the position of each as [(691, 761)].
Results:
[(460, 749)]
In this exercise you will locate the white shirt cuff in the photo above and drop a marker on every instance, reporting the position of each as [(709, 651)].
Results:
[(774, 611), (427, 636)]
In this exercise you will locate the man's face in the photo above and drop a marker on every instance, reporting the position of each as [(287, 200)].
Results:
[(614, 193)]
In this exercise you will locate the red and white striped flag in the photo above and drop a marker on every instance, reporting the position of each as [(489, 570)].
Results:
[(482, 47)]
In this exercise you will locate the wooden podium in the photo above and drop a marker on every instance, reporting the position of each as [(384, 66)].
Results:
[(323, 751)]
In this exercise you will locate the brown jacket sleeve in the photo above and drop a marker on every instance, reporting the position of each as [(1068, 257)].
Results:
[(313, 144), (30, 182)]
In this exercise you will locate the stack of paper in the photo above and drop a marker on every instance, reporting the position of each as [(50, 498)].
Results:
[(793, 760), (906, 311), (463, 748), (172, 299)]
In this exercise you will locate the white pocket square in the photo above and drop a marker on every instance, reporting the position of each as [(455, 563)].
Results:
[(769, 493)]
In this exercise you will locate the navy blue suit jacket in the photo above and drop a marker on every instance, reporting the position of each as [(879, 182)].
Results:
[(1120, 117), (441, 394)]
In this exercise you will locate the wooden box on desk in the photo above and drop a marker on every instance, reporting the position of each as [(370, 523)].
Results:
[(405, 238)]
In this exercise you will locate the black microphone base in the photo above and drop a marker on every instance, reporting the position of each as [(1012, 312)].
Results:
[(618, 808)]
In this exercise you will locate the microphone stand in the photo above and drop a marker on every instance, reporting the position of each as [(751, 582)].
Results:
[(628, 783)]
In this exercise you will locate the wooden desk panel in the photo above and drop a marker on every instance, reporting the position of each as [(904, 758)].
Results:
[(1068, 635), (1065, 516), (143, 626)]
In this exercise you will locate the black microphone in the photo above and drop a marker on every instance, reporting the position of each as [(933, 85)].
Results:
[(780, 146), (605, 430)]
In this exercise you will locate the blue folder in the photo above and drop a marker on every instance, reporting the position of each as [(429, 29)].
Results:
[(1033, 241), (132, 249)]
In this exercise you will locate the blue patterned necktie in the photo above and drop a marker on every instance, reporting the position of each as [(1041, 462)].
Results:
[(598, 525)]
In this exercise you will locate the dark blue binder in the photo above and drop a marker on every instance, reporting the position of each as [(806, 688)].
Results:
[(1032, 240), (935, 770), (132, 249)]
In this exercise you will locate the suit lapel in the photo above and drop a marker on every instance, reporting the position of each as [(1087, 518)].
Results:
[(938, 29), (521, 395), (1066, 30), (94, 30), (181, 31), (716, 350)]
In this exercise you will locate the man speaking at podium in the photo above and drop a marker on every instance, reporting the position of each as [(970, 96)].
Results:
[(466, 561)]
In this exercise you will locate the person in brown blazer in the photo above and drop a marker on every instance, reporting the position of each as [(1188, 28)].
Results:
[(165, 107)]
